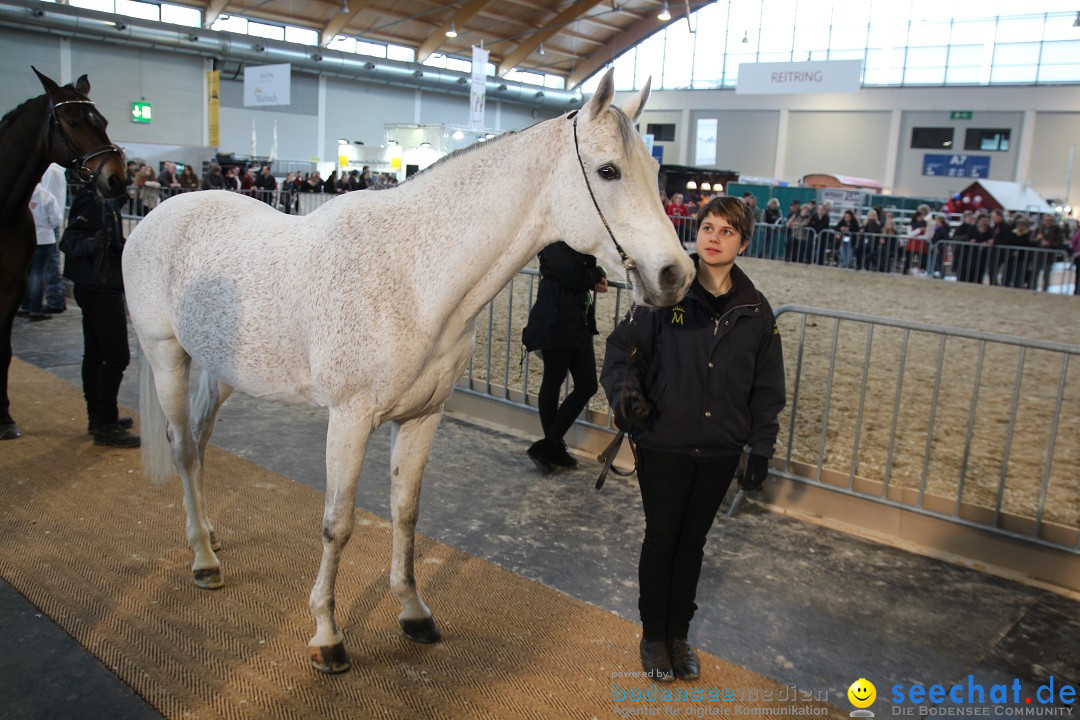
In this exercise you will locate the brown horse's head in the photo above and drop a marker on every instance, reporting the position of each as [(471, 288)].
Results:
[(77, 139)]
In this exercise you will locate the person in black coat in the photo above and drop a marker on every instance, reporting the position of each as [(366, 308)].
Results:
[(93, 245), (561, 327), (694, 384)]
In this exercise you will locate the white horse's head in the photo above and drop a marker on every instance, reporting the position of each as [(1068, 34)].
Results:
[(609, 176)]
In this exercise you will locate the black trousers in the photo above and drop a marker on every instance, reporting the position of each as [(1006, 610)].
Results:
[(106, 353), (681, 495), (581, 364)]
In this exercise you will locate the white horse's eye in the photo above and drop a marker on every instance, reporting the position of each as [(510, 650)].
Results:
[(609, 172)]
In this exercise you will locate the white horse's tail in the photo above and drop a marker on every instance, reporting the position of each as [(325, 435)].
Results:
[(153, 427)]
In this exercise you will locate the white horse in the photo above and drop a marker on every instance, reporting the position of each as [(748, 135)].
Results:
[(368, 306)]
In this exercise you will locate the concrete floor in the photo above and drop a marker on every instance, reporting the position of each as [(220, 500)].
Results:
[(804, 605)]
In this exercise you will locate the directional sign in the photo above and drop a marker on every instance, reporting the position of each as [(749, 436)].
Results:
[(960, 115), (140, 112), (973, 166)]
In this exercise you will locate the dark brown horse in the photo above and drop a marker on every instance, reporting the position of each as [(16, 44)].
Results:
[(60, 126)]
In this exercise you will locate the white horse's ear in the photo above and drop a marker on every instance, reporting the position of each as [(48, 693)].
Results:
[(636, 104), (601, 99)]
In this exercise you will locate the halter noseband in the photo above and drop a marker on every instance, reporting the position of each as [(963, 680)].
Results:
[(627, 261), (77, 163)]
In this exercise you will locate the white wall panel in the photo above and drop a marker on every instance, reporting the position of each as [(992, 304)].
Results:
[(745, 140), (296, 133), (844, 143), (173, 84), (18, 82), (909, 165), (1054, 134)]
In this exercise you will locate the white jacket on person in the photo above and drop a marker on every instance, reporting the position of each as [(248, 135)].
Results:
[(47, 215)]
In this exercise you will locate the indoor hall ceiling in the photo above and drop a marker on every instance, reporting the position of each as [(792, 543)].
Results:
[(578, 37)]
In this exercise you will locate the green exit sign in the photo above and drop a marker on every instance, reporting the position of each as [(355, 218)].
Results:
[(960, 115), (140, 112)]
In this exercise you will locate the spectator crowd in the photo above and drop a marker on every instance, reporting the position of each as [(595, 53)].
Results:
[(975, 245)]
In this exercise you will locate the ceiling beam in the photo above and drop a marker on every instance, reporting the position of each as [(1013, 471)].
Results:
[(526, 48), (213, 10), (629, 37), (463, 14), (339, 21)]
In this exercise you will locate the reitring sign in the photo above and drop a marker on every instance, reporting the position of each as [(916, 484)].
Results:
[(785, 78)]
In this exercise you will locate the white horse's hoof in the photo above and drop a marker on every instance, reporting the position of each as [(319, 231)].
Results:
[(423, 630), (330, 660), (209, 579)]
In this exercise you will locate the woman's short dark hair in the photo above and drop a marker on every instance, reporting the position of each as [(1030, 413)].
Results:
[(732, 209)]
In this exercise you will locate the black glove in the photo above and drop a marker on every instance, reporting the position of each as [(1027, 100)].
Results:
[(633, 410), (757, 469), (99, 241)]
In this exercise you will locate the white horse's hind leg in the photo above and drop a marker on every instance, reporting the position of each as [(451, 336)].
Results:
[(171, 366), (346, 440), (410, 447), (209, 397)]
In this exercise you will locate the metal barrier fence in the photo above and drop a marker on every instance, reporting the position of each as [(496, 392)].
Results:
[(926, 418), (1040, 269), (142, 200), (956, 424)]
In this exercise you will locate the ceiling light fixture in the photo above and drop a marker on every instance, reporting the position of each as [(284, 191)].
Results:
[(691, 185), (345, 6), (452, 32), (665, 14), (706, 186), (1076, 22), (541, 50), (745, 37)]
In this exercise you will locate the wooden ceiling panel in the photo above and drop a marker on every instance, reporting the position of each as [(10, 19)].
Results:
[(579, 36)]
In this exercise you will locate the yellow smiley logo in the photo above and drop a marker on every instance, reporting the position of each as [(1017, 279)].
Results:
[(862, 693)]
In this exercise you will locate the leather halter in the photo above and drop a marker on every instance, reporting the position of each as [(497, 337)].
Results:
[(627, 261), (76, 162)]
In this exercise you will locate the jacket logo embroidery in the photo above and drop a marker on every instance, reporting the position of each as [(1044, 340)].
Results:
[(775, 329), (677, 314)]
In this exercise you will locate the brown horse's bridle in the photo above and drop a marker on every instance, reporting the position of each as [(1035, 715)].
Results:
[(76, 162)]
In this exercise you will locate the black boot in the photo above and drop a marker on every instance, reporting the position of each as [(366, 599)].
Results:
[(655, 660), (115, 436), (542, 455), (563, 458), (124, 422), (684, 660)]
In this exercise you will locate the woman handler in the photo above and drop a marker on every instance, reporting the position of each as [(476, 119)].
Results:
[(693, 385)]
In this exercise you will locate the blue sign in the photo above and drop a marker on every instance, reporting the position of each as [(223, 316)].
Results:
[(973, 166), (658, 153)]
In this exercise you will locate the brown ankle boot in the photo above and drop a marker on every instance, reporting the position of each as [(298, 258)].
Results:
[(655, 661), (684, 660)]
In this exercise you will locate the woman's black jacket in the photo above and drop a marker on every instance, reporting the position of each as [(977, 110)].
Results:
[(564, 316), (716, 380)]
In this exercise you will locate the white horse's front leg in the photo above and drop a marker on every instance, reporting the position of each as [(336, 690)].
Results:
[(410, 446), (346, 440)]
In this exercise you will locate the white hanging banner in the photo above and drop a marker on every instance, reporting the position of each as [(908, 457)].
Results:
[(785, 78), (705, 142), (267, 85), (478, 92)]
